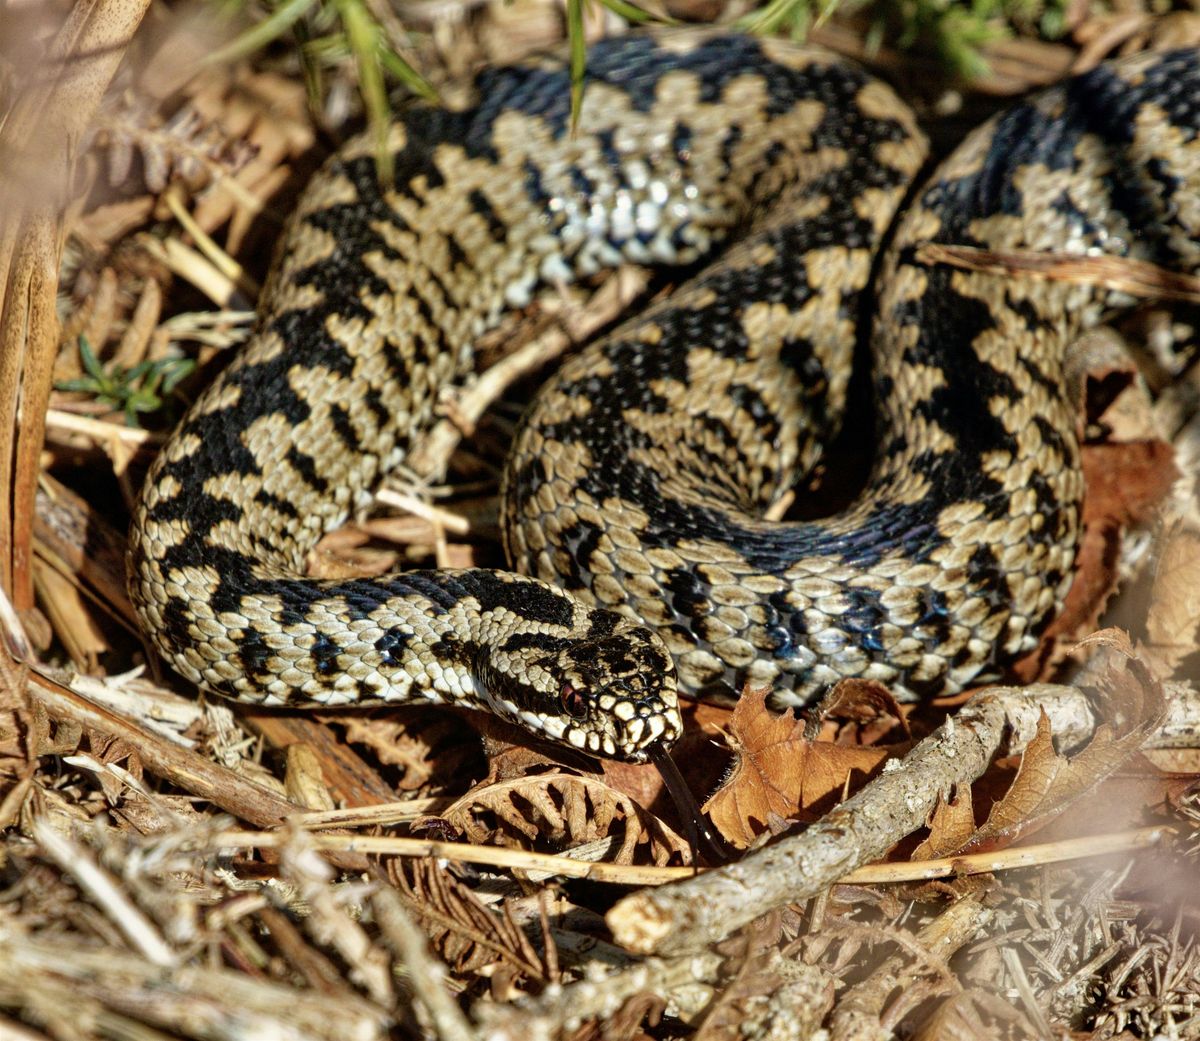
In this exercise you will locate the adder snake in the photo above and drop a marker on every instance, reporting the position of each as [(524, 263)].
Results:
[(641, 474)]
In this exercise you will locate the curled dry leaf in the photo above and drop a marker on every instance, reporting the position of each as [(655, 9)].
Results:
[(562, 810), (1047, 782), (779, 771), (1173, 622), (1125, 483), (863, 712), (950, 826)]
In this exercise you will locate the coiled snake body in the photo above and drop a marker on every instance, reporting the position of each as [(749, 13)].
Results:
[(641, 475)]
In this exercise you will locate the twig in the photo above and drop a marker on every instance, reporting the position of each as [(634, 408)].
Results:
[(426, 973), (1029, 1001), (194, 1001), (193, 773), (75, 861), (455, 523), (330, 922), (462, 852), (607, 303), (560, 1010), (100, 430), (221, 260), (859, 1011), (382, 813), (703, 910)]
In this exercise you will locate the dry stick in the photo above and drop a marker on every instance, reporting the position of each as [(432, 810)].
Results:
[(858, 1012), (330, 923), (431, 457), (195, 1000), (561, 1010), (425, 972), (688, 915), (74, 860), (193, 773), (1181, 726)]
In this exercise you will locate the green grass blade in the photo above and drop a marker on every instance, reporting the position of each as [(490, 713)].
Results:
[(578, 57), (362, 33), (273, 26), (406, 74)]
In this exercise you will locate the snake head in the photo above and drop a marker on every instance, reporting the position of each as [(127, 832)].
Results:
[(610, 691)]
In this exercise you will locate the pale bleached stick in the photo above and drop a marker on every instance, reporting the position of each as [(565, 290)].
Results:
[(692, 914)]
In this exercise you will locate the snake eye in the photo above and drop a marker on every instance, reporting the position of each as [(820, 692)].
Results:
[(572, 701)]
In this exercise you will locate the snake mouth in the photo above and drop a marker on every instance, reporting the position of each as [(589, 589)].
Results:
[(636, 739)]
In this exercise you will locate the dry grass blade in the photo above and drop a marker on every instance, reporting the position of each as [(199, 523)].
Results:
[(1119, 274), (40, 139)]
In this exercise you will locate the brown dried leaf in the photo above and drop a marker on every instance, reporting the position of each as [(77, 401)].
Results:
[(1031, 795), (1125, 484), (861, 712), (563, 810), (304, 780), (1047, 783), (950, 826), (346, 553), (420, 744), (1173, 622), (779, 772)]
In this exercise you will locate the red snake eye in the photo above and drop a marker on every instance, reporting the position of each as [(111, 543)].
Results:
[(573, 701)]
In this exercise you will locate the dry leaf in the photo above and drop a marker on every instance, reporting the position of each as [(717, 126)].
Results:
[(1173, 622), (861, 712), (778, 771), (1047, 783), (303, 781), (1127, 697), (563, 810), (346, 553), (1125, 483), (950, 826)]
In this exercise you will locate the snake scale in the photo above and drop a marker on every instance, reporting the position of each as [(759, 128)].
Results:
[(639, 478)]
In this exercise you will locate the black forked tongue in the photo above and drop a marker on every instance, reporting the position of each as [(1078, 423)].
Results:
[(701, 837)]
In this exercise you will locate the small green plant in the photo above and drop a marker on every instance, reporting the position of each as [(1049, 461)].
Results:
[(139, 389), (328, 29), (370, 32), (957, 30)]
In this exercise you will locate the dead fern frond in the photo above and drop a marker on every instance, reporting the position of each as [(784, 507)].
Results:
[(560, 810), (470, 937)]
